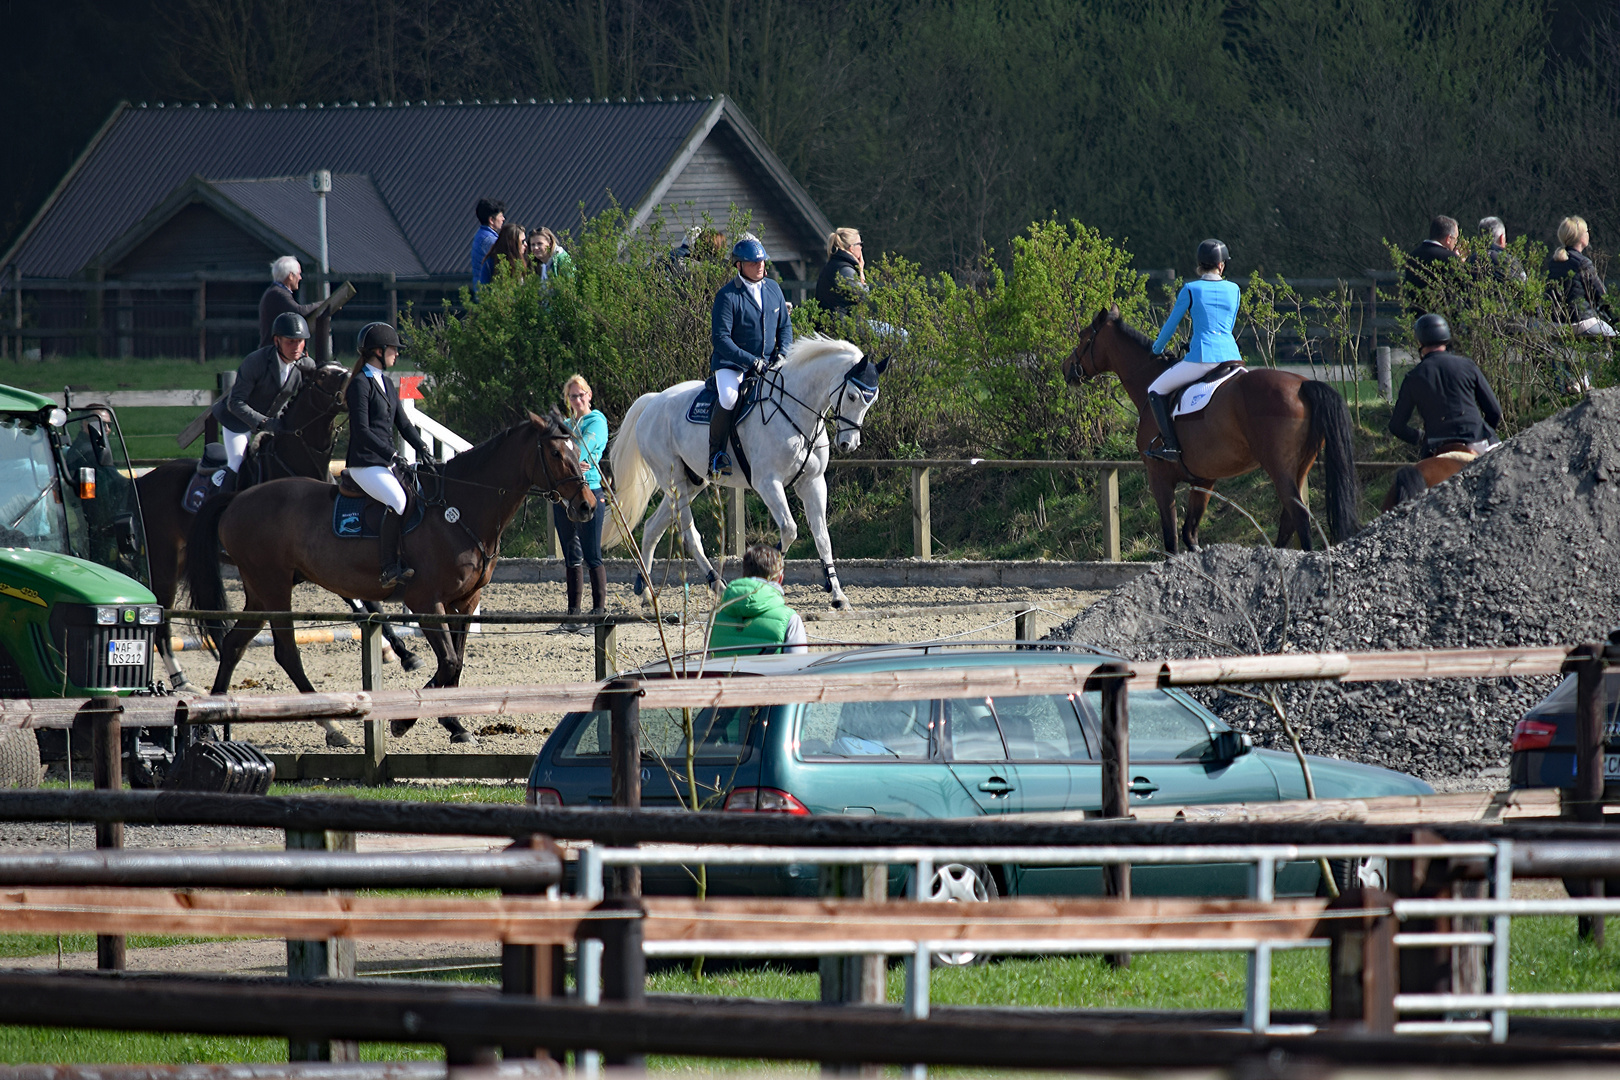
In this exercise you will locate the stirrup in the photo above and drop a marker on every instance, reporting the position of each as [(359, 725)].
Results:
[(396, 574), (721, 465), (1163, 453)]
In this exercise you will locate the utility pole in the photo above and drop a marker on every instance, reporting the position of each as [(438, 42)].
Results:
[(320, 181)]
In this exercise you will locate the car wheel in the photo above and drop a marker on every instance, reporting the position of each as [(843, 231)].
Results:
[(19, 759), (1370, 873), (962, 883)]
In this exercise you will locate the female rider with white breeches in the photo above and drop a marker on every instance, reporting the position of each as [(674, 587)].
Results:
[(1213, 304), (750, 329), (374, 416)]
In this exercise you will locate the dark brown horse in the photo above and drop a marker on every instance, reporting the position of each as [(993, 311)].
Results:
[(280, 533), (1413, 480), (1264, 419)]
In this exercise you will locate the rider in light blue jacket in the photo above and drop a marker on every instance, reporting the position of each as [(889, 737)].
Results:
[(1213, 304)]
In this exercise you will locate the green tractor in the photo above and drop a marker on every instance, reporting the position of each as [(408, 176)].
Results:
[(77, 617)]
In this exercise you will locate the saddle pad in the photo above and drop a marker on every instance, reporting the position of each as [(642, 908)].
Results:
[(1195, 396), (360, 519), (203, 484), (702, 406)]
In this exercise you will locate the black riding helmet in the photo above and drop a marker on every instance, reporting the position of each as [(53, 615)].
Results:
[(1212, 253), (1432, 330), (290, 324), (377, 335)]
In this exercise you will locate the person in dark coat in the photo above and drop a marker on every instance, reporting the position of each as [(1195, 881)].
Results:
[(1424, 262), (843, 279), (282, 296), (1449, 392), (750, 330), (1497, 262), (267, 380), (374, 416), (1579, 297)]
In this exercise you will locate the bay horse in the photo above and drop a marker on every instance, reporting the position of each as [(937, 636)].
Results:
[(1412, 481), (302, 448), (1263, 419), (280, 533), (784, 438)]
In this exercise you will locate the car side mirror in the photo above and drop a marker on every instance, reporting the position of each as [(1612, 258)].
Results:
[(124, 534), (1229, 745)]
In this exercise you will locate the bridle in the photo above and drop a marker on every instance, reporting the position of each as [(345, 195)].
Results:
[(831, 411), (1087, 349), (554, 491)]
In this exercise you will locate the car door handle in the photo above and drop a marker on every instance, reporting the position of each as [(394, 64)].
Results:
[(1141, 785), (996, 786)]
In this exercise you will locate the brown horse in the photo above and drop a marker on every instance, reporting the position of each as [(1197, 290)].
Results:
[(280, 533), (1264, 419), (1412, 481)]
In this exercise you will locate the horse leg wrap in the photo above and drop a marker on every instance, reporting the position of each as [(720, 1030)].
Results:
[(713, 577), (639, 586), (829, 578)]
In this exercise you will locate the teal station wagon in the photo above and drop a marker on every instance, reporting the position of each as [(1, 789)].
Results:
[(944, 758)]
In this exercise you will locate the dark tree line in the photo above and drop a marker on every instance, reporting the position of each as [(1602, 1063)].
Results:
[(1301, 133)]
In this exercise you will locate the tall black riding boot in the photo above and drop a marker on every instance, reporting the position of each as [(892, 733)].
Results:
[(720, 424), (574, 577), (391, 542), (1168, 449), (598, 590)]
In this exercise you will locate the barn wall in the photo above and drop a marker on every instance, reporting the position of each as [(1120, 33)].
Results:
[(197, 238), (713, 180)]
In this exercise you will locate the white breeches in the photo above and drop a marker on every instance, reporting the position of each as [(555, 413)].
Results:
[(235, 447), (1182, 374), (381, 484), (726, 385)]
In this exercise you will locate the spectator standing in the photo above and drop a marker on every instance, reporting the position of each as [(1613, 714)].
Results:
[(548, 256), (754, 616), (1448, 391), (512, 245), (1578, 293), (1422, 262), (582, 543), (491, 214), (1497, 261), (842, 283), (282, 296)]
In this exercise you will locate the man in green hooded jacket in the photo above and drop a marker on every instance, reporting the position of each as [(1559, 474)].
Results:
[(754, 616)]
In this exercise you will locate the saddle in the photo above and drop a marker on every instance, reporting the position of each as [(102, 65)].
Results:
[(207, 480), (702, 407), (1195, 395), (357, 516)]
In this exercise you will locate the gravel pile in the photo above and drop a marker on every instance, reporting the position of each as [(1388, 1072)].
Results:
[(1518, 549)]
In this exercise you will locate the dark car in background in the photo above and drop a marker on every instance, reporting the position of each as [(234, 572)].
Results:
[(944, 757), (1544, 741)]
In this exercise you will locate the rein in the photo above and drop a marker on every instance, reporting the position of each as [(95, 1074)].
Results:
[(776, 387)]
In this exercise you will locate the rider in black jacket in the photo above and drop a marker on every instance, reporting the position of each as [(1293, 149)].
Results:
[(1450, 394), (374, 416)]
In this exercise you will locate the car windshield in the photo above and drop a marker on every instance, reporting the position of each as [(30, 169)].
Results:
[(107, 528), (31, 511), (867, 730), (720, 735), (1162, 728)]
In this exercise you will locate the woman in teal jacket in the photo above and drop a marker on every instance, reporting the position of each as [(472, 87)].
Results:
[(1213, 304), (582, 544)]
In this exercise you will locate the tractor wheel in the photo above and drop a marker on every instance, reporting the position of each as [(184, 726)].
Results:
[(19, 759)]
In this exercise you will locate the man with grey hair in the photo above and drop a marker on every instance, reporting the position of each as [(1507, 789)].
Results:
[(1497, 262), (281, 296), (1423, 264)]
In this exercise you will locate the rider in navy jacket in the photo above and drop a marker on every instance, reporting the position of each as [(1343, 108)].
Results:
[(751, 329)]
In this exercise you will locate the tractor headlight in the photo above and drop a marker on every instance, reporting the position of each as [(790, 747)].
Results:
[(106, 616), (151, 616)]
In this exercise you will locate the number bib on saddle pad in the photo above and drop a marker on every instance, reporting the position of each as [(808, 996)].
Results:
[(702, 407), (359, 517), (1194, 396)]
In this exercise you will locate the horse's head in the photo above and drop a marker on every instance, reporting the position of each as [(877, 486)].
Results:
[(1083, 363), (852, 398), (560, 474)]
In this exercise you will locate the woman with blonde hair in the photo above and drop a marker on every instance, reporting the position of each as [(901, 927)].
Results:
[(1577, 287), (582, 544), (548, 256), (842, 283)]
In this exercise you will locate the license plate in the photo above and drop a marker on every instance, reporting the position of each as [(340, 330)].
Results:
[(1611, 766), (126, 653)]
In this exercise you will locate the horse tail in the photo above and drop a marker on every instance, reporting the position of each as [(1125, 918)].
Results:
[(1330, 425), (202, 566), (634, 481), (1409, 484)]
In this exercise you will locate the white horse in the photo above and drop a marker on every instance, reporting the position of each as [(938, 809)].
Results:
[(784, 439)]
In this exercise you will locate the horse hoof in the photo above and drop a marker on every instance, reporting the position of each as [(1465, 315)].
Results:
[(397, 728), (409, 661), (463, 738), (839, 603), (339, 740)]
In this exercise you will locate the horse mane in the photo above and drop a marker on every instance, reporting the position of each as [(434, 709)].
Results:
[(1137, 337), (815, 346), (470, 461)]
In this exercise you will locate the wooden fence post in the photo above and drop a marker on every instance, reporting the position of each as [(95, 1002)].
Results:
[(861, 979), (1362, 962), (107, 769), (1021, 625), (624, 753), (532, 971), (376, 766), (1110, 515), (389, 284), (607, 649), (329, 959), (922, 537), (739, 522), (1586, 800), (1115, 717), (202, 322), (1381, 368)]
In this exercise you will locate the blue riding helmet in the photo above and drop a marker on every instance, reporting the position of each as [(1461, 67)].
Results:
[(748, 249)]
